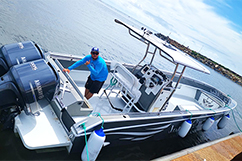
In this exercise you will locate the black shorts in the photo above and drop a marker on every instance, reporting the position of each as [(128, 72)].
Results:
[(93, 86)]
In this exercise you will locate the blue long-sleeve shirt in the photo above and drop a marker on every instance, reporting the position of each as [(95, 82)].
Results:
[(98, 67)]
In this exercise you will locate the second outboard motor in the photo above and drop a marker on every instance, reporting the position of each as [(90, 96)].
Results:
[(27, 83), (18, 53)]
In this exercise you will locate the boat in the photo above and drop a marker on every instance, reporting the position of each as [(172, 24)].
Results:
[(47, 109)]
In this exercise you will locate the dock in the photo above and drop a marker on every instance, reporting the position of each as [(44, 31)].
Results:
[(224, 149)]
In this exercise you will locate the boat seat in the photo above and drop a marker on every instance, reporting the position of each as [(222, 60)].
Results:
[(127, 83)]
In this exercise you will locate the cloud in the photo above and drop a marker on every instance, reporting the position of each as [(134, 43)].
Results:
[(195, 23)]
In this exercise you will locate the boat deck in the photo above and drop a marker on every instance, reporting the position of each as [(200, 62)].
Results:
[(100, 103), (53, 134), (185, 103)]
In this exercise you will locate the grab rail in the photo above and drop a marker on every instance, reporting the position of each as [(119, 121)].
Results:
[(69, 79)]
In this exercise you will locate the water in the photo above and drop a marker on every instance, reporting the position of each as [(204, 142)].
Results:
[(74, 27)]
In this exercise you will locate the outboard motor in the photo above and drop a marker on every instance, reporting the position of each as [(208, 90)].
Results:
[(18, 53), (27, 83)]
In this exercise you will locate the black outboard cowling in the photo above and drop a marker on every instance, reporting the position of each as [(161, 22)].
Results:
[(35, 80), (18, 53), (3, 66)]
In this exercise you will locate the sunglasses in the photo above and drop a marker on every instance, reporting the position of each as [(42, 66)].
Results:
[(95, 53)]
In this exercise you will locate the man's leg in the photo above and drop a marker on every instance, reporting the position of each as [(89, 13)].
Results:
[(86, 91), (92, 87), (88, 94)]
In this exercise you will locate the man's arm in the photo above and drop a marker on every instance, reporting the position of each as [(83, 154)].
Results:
[(97, 69), (76, 64), (66, 70)]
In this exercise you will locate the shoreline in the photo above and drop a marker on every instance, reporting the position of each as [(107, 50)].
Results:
[(236, 78)]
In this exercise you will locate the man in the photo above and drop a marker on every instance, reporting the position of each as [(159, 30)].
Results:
[(98, 69)]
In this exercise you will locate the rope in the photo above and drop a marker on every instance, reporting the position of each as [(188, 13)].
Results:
[(84, 128), (190, 113), (113, 81), (234, 118), (211, 110), (238, 113), (97, 113), (111, 102)]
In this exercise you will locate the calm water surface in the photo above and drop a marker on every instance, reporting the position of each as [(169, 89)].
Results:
[(73, 27)]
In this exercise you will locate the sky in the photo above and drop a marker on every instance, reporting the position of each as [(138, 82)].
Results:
[(210, 27)]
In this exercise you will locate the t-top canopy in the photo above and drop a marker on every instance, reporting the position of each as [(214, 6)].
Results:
[(176, 55)]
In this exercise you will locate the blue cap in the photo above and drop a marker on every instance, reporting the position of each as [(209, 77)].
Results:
[(189, 121), (95, 49), (100, 132)]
